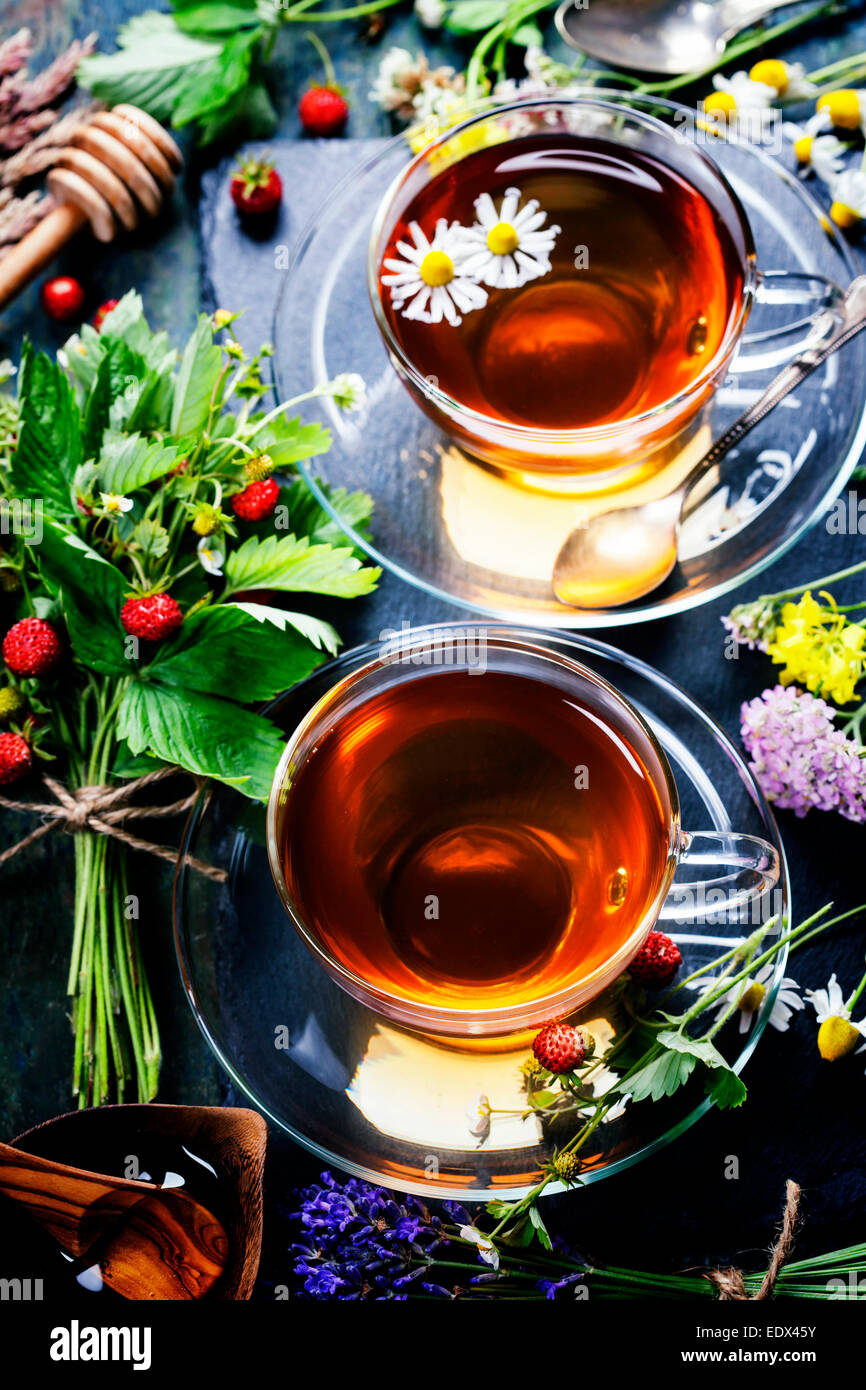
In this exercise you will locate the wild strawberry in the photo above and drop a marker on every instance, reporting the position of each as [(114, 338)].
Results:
[(560, 1048), (31, 648), (152, 618), (323, 111), (62, 298), (256, 501), (258, 466), (566, 1166), (102, 313), (256, 188), (657, 961), (15, 758)]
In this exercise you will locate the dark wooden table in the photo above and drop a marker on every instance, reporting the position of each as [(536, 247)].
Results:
[(803, 1119)]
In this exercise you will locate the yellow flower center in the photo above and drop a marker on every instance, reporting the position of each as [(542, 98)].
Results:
[(843, 108), (719, 104), (772, 73), (437, 268), (844, 216), (803, 149), (502, 239), (752, 998), (836, 1038)]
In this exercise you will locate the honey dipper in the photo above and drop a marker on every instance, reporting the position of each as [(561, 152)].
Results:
[(119, 167)]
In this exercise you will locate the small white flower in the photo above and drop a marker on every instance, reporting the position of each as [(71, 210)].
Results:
[(747, 93), (837, 1031), (114, 504), (430, 13), (829, 1002), (478, 1116), (437, 104), (749, 995), (486, 1249), (349, 391), (815, 153), (397, 73), (210, 556), (509, 247), (429, 284), (841, 110), (786, 80)]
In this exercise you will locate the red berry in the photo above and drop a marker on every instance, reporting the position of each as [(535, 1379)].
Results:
[(62, 298), (657, 961), (15, 757), (256, 501), (323, 111), (31, 647), (256, 188), (153, 617), (560, 1048), (102, 313)]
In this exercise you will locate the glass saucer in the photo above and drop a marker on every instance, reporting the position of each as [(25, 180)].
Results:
[(462, 532), (389, 1105)]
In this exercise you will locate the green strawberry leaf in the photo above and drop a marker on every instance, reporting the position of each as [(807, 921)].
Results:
[(200, 369), (308, 517), (539, 1227), (662, 1076), (323, 636), (224, 650), (288, 441), (209, 89), (154, 59), (726, 1089), (471, 16), (289, 564), (207, 736), (118, 369), (48, 450), (194, 17), (129, 462), (249, 113), (91, 591)]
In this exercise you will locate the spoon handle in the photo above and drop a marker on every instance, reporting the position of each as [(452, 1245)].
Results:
[(853, 319), (734, 15)]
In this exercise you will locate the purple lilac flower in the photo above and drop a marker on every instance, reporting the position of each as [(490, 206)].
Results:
[(799, 757)]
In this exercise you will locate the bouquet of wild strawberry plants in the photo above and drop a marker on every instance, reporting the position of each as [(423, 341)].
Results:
[(146, 545)]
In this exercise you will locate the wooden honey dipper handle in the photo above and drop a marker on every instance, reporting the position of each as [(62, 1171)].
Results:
[(120, 167), (35, 251)]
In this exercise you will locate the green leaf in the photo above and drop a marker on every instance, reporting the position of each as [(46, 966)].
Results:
[(470, 16), (527, 36), (199, 373), (288, 441), (91, 592), (210, 90), (289, 563), (323, 636), (308, 517), (223, 650), (726, 1089), (129, 462), (702, 1048), (154, 61), (119, 367), (207, 736), (193, 17), (249, 113), (49, 434), (151, 538), (540, 1229), (539, 1100), (662, 1076)]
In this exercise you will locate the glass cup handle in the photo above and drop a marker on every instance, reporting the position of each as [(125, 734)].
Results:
[(748, 868), (765, 348)]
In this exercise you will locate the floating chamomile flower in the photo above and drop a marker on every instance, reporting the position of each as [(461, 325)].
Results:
[(837, 1034), (848, 192), (749, 995), (508, 247), (430, 283)]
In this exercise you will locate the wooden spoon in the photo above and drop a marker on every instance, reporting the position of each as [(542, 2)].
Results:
[(150, 1242)]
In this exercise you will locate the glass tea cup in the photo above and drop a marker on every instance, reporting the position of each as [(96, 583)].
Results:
[(460, 753), (625, 449)]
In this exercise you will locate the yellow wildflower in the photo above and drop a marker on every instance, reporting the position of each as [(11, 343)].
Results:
[(819, 649)]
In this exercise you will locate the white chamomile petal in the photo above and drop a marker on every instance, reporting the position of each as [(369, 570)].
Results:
[(430, 283), (508, 246), (829, 1002)]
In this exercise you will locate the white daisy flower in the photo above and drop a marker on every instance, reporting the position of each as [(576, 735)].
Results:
[(746, 105), (746, 92), (841, 110), (478, 1116), (430, 284), (349, 391), (486, 1249), (749, 995), (509, 247), (838, 1034), (848, 192), (787, 80), (210, 556), (815, 153), (114, 504), (399, 73)]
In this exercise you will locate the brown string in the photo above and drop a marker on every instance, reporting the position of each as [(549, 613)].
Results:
[(730, 1283), (105, 810)]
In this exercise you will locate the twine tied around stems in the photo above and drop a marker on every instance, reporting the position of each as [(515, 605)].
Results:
[(730, 1282), (106, 810)]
